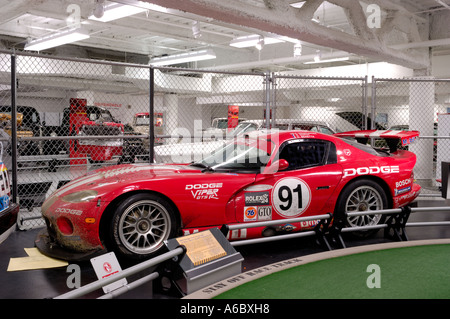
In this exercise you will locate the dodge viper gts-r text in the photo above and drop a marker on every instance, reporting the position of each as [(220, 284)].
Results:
[(133, 209)]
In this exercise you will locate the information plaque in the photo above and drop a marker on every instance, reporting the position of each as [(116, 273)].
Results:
[(202, 247), (209, 258)]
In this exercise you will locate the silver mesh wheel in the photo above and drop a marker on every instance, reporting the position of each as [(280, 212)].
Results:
[(144, 226)]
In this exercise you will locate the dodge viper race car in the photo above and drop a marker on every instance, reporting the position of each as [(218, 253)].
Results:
[(133, 209)]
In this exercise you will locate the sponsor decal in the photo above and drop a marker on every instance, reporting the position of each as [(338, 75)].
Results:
[(403, 183), (237, 234), (309, 223), (347, 152), (408, 196), (250, 213), (257, 213), (257, 198), (402, 190), (264, 213), (287, 228), (204, 191), (302, 135), (406, 141), (370, 170), (68, 211)]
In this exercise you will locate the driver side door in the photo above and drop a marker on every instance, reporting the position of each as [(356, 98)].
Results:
[(303, 189)]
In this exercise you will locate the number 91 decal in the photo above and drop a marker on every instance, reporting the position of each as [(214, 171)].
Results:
[(291, 197)]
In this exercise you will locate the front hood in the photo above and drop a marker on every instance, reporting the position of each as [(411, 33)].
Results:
[(103, 179)]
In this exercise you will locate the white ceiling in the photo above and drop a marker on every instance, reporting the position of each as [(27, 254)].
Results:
[(414, 26)]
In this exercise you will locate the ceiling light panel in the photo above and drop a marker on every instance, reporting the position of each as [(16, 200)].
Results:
[(184, 58), (116, 11), (252, 40), (57, 39)]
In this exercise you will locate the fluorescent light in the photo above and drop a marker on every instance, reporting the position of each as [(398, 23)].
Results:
[(328, 60), (252, 40), (184, 57), (297, 4), (57, 39), (116, 11)]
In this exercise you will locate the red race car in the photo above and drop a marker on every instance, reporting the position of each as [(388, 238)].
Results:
[(133, 209)]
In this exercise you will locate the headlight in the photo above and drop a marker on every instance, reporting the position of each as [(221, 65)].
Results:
[(79, 197)]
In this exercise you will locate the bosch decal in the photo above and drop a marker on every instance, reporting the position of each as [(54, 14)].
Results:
[(257, 198), (370, 170), (204, 191), (403, 183)]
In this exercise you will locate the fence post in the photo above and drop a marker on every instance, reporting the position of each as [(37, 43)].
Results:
[(14, 189), (374, 102), (267, 100), (364, 101), (151, 132), (274, 100)]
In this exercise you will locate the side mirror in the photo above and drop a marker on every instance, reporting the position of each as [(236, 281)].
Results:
[(279, 165)]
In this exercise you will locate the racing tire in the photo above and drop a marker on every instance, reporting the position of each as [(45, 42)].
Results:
[(140, 225), (358, 196)]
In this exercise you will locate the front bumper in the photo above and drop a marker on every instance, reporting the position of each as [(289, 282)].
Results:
[(73, 226), (49, 247)]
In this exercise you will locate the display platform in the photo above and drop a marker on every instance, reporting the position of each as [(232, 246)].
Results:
[(363, 272)]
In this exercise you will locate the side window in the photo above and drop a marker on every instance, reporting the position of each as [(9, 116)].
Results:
[(309, 153), (325, 130)]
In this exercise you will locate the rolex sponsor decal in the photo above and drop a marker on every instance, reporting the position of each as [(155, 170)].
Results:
[(257, 198)]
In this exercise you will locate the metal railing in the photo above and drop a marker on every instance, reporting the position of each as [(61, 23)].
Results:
[(127, 272)]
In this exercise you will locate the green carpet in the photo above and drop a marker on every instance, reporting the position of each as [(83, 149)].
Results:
[(404, 273)]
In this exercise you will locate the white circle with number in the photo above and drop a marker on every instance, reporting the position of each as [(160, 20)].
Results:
[(291, 197)]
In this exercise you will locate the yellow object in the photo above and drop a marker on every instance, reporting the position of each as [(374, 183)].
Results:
[(35, 260)]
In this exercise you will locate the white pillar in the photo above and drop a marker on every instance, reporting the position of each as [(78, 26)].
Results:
[(421, 118)]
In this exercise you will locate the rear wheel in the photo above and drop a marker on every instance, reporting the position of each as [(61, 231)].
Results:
[(140, 225), (360, 196)]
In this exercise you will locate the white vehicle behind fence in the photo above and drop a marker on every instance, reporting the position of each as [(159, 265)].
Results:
[(186, 151)]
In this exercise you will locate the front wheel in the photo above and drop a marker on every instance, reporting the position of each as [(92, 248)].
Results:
[(140, 225), (360, 196)]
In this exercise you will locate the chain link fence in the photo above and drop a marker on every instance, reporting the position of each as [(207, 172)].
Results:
[(323, 104), (417, 104), (199, 111), (74, 116)]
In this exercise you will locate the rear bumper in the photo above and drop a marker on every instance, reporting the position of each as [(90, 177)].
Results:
[(407, 197)]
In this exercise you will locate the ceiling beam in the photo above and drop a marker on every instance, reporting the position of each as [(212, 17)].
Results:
[(280, 18)]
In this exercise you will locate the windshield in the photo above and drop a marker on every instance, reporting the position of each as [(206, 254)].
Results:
[(142, 120), (242, 128), (106, 116), (242, 153)]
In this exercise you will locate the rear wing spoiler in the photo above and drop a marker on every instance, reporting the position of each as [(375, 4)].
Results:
[(391, 137)]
